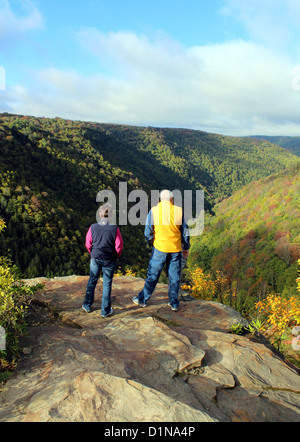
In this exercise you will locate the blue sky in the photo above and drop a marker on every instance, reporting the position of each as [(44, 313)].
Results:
[(224, 66)]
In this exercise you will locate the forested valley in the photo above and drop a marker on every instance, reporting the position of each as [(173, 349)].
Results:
[(254, 240), (52, 169)]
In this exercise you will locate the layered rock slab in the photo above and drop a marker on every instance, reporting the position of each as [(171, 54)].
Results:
[(144, 365)]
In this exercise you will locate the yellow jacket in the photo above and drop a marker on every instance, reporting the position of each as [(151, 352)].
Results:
[(167, 221)]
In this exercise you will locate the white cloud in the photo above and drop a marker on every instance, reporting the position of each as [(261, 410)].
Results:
[(236, 87), (13, 25), (275, 23), (132, 51)]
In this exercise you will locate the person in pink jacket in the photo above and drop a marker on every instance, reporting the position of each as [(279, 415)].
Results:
[(105, 245)]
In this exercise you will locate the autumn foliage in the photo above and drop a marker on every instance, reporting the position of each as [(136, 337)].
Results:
[(280, 316), (276, 314), (254, 239), (280, 313), (204, 286), (298, 280), (51, 171)]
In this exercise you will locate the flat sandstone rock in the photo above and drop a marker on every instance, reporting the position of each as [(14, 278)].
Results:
[(143, 365)]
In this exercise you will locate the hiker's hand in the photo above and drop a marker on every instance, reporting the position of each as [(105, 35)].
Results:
[(185, 253)]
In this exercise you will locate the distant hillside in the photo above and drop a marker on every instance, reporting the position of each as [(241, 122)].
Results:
[(255, 238), (292, 144), (52, 169), (219, 164)]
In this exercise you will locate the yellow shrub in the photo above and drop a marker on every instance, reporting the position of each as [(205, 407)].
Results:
[(298, 280), (280, 313), (2, 225), (204, 286), (201, 284), (127, 272)]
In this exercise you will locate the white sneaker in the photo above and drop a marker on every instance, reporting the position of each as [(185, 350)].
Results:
[(174, 309), (137, 302)]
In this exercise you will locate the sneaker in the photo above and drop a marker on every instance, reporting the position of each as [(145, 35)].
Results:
[(174, 309), (86, 309), (108, 314), (137, 302)]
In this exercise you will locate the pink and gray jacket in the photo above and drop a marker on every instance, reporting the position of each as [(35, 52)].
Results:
[(104, 241)]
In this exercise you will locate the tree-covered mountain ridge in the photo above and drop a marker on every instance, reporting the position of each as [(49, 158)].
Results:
[(254, 238), (292, 144), (52, 169), (219, 164)]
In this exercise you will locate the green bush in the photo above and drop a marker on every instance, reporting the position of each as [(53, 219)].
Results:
[(15, 296)]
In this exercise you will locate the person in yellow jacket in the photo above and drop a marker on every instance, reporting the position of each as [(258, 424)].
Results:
[(168, 232)]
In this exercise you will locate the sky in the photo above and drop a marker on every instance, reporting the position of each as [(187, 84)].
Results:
[(223, 66)]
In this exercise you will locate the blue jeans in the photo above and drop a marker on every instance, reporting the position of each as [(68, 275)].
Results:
[(157, 261), (108, 268)]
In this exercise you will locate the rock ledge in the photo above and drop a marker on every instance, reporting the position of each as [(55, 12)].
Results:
[(144, 365)]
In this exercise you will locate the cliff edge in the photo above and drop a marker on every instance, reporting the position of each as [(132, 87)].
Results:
[(143, 365)]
